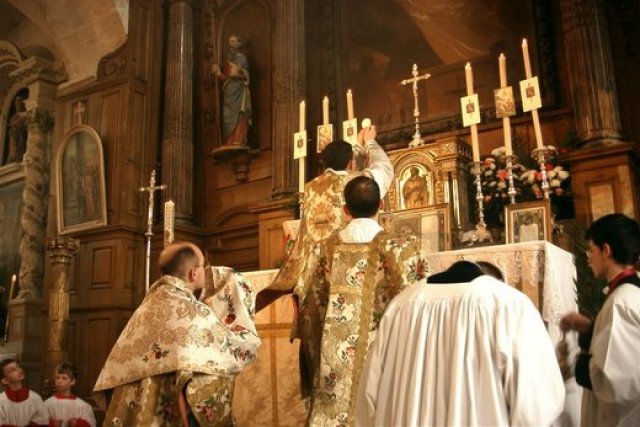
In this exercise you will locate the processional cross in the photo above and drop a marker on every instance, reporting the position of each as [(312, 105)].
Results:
[(151, 189), (417, 138)]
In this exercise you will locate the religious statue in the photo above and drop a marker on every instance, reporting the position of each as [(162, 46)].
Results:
[(236, 94), (17, 132), (415, 190)]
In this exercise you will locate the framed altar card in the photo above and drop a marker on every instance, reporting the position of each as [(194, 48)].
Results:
[(530, 93), (81, 198), (350, 131), (528, 221), (300, 144), (429, 226), (470, 107), (325, 136), (505, 105)]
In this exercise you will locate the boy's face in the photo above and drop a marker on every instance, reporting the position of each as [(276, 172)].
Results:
[(12, 374), (64, 383), (598, 260)]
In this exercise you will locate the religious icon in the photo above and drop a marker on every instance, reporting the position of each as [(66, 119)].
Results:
[(528, 221), (350, 131), (415, 188), (325, 136), (505, 106), (530, 93), (300, 144), (470, 111), (81, 187)]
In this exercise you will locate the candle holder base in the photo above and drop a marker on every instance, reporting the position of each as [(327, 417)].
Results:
[(509, 160), (541, 154), (416, 141)]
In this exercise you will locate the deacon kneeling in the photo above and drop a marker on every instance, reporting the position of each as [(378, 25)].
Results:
[(176, 360), (462, 349)]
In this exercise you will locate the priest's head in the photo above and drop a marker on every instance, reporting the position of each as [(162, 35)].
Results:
[(362, 197), (337, 155), (185, 261)]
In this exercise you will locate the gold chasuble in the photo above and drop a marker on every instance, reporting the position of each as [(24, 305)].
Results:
[(173, 340), (322, 215), (343, 292)]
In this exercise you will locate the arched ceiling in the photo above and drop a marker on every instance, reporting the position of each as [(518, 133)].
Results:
[(75, 33)]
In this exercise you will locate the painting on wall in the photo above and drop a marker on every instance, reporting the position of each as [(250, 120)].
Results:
[(81, 185)]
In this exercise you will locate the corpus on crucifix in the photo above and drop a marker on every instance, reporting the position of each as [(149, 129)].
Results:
[(417, 138), (151, 189)]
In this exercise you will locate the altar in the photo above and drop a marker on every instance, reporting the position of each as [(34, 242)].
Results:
[(267, 393)]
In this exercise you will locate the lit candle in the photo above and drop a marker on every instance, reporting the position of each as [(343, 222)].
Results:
[(349, 105), (169, 221), (468, 73), (325, 110), (11, 288), (303, 108), (525, 55), (506, 121)]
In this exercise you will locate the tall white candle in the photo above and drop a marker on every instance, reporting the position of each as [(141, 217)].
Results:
[(468, 73), (325, 110), (525, 56), (506, 121), (303, 111), (169, 222), (11, 288), (349, 105)]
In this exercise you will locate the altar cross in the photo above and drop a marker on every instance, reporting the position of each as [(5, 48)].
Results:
[(417, 138), (151, 189)]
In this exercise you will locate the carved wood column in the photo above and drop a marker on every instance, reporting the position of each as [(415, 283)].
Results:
[(591, 75), (288, 91), (62, 250), (177, 134), (35, 198)]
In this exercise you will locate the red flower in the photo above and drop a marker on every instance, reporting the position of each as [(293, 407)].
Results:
[(229, 319), (158, 355), (538, 176), (502, 175), (548, 167)]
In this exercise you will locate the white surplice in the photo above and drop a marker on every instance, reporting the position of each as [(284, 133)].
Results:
[(613, 369), (461, 354)]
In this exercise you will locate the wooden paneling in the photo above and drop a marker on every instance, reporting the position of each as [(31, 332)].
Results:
[(102, 267)]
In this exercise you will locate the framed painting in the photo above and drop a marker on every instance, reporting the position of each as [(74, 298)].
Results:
[(429, 226), (81, 199), (528, 221)]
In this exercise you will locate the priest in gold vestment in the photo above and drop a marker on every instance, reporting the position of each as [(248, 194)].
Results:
[(345, 284), (176, 359)]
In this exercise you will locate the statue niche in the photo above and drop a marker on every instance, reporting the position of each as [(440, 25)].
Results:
[(16, 136)]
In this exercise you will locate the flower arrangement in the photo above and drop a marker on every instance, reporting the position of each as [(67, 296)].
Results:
[(527, 182)]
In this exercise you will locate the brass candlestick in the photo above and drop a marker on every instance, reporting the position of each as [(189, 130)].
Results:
[(541, 154)]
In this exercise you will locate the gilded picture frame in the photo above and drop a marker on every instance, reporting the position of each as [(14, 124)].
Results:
[(529, 221), (430, 226), (81, 198)]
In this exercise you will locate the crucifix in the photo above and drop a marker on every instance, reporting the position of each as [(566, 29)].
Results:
[(417, 138), (78, 112), (151, 189)]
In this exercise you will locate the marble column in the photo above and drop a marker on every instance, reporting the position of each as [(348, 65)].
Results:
[(62, 250), (288, 60), (591, 76), (35, 198), (177, 131)]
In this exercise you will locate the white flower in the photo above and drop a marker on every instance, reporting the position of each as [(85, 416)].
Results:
[(532, 177), (562, 175), (498, 152), (502, 185), (558, 168), (551, 173), (492, 184), (488, 173), (555, 183)]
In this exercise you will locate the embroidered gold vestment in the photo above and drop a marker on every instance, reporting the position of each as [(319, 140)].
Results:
[(173, 340), (343, 291)]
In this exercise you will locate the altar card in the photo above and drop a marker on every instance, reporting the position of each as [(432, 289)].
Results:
[(505, 105), (470, 107), (350, 131), (325, 136), (530, 93), (300, 144)]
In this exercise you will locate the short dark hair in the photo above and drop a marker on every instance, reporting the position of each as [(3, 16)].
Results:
[(337, 155), (67, 369), (621, 233), (362, 196), (4, 363), (180, 262), (458, 272)]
